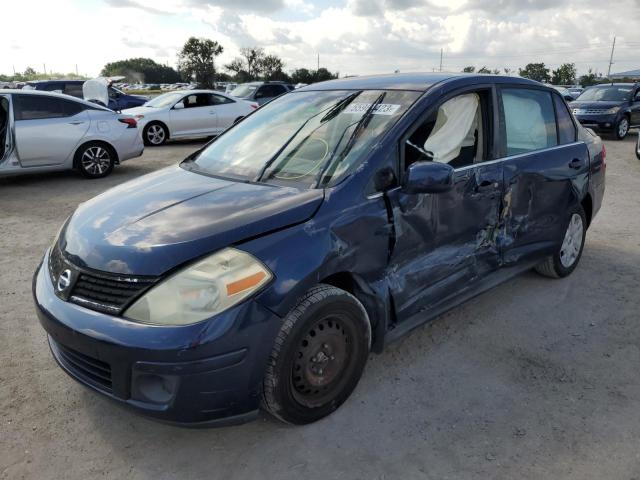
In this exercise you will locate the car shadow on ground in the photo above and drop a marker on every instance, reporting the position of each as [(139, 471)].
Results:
[(478, 379)]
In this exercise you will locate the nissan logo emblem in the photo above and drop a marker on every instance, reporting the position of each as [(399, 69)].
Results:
[(64, 280)]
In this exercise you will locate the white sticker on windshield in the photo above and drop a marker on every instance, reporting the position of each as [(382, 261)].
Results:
[(381, 109)]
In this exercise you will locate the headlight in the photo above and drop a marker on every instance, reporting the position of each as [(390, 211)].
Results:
[(613, 110), (201, 290)]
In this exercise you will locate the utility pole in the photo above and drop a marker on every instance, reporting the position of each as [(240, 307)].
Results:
[(77, 70), (441, 59), (611, 58), (318, 62), (44, 68)]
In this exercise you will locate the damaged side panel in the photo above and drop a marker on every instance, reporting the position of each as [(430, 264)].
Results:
[(540, 187), (445, 242)]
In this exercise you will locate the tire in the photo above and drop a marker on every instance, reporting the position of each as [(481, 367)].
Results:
[(565, 260), (155, 134), (622, 128), (318, 356), (638, 147), (95, 159)]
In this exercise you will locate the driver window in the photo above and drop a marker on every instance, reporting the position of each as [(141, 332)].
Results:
[(453, 134)]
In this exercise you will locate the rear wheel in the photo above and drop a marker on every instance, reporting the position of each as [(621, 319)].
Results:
[(318, 356), (638, 147), (565, 260), (155, 134), (622, 128), (95, 160)]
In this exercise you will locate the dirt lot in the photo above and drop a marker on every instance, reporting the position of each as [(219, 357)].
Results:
[(535, 379)]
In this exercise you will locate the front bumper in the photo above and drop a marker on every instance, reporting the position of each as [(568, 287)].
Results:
[(205, 374), (601, 123)]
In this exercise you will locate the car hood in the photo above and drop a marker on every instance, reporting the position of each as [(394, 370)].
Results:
[(595, 105), (152, 224)]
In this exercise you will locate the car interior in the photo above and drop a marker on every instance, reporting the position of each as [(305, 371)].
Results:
[(4, 125), (457, 133)]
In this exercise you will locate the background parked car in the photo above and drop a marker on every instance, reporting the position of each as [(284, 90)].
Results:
[(566, 94), (192, 113), (46, 131), (614, 107), (261, 92), (118, 100), (575, 91)]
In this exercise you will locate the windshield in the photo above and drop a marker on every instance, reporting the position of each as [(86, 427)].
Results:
[(164, 100), (242, 91), (609, 93), (307, 139)]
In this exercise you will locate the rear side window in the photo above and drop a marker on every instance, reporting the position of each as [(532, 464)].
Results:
[(73, 89), (220, 100), (566, 127), (530, 121), (36, 107)]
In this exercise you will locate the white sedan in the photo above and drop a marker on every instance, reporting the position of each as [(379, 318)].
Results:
[(188, 114), (45, 132)]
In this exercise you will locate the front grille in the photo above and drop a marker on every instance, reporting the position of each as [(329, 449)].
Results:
[(88, 369), (107, 293), (101, 291), (589, 111)]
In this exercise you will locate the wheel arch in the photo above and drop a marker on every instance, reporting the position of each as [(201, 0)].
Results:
[(368, 297)]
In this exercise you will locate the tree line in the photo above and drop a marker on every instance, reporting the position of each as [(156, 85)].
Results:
[(197, 62), (565, 74)]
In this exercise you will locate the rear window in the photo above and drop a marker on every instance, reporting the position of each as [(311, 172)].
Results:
[(566, 127), (37, 107), (530, 121)]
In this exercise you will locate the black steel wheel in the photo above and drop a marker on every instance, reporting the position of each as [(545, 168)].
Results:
[(318, 357)]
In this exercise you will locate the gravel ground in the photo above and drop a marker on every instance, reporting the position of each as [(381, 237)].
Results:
[(537, 378)]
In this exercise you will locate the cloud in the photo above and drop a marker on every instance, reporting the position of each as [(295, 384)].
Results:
[(264, 6), (138, 5)]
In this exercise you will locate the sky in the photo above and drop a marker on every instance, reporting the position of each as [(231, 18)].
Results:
[(352, 37)]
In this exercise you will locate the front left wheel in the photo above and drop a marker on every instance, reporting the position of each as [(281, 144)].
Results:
[(318, 356), (622, 128)]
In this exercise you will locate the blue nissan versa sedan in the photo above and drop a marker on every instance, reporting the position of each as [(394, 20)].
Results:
[(614, 107), (262, 269)]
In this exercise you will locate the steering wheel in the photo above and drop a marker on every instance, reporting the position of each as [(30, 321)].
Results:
[(313, 151)]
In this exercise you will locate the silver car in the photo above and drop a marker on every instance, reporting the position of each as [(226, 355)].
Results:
[(44, 132)]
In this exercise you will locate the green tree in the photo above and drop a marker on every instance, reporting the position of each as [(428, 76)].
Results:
[(272, 68), (141, 70), (197, 60), (484, 70), (565, 74), (469, 69), (536, 71), (303, 75), (589, 79)]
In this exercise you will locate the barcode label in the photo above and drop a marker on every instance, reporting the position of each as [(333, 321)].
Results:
[(381, 109)]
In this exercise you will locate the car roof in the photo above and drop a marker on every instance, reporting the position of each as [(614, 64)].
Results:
[(420, 82), (619, 84), (66, 80), (53, 94)]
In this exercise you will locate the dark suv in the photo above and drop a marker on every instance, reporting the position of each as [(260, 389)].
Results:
[(261, 92), (118, 100), (611, 108)]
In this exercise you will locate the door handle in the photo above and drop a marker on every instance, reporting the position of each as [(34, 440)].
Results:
[(576, 164), (76, 123)]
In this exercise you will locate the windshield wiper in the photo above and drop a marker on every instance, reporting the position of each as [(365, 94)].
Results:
[(330, 167), (331, 113)]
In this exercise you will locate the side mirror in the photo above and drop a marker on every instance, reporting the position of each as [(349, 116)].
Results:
[(569, 98), (178, 106), (428, 177)]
